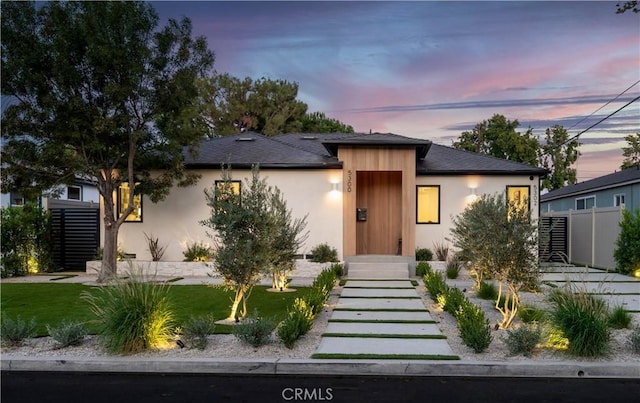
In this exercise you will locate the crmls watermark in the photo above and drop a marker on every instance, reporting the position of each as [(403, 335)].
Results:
[(307, 394)]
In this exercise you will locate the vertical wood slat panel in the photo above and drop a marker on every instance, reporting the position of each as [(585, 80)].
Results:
[(356, 159)]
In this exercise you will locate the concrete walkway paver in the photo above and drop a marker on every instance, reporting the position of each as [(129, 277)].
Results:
[(379, 292), (380, 303), (379, 310), (389, 346), (381, 316)]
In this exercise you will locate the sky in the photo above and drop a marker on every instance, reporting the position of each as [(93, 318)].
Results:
[(435, 69)]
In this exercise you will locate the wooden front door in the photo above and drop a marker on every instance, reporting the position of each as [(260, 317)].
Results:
[(380, 193)]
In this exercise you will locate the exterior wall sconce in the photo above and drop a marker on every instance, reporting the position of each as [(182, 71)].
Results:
[(472, 191), (335, 187)]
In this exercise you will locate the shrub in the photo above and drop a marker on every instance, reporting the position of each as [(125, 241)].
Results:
[(196, 331), (634, 340), (25, 236), (338, 269), (324, 253), (529, 314), (423, 254), (68, 333), (442, 251), (297, 323), (524, 339), (13, 332), (133, 314), (198, 252), (487, 291), (619, 318), (451, 300), (435, 284), (474, 327), (453, 269), (153, 245), (316, 298), (627, 250), (583, 319), (254, 330), (422, 268)]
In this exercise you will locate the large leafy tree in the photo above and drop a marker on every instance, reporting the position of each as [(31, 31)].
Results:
[(631, 152), (318, 122), (265, 106), (557, 155), (626, 6), (498, 137), (101, 92), (270, 107)]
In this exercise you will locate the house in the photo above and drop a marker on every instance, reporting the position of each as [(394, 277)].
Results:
[(363, 194), (613, 190), (82, 194), (584, 218)]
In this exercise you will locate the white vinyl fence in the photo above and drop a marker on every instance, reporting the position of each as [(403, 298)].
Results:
[(591, 235)]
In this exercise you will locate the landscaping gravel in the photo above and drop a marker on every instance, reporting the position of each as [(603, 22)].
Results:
[(227, 346)]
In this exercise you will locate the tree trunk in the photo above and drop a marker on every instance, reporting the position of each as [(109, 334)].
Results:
[(240, 290), (108, 271)]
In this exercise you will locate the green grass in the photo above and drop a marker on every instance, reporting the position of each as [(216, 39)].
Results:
[(336, 356), (52, 303)]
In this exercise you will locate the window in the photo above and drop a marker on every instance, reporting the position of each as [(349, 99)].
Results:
[(74, 192), (428, 204), (518, 195), (618, 200), (222, 196), (123, 203), (17, 199), (235, 186), (585, 203)]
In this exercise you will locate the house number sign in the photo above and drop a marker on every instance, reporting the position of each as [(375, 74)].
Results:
[(349, 180)]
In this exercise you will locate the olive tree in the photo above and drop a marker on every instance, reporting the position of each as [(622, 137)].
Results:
[(500, 240), (253, 232)]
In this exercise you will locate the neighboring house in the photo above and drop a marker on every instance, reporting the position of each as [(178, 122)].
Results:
[(82, 194), (75, 230), (585, 217), (363, 194), (613, 190)]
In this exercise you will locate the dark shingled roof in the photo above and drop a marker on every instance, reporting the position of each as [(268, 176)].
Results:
[(443, 160), (245, 149), (630, 175), (317, 150)]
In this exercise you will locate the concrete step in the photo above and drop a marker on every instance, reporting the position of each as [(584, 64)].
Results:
[(391, 270)]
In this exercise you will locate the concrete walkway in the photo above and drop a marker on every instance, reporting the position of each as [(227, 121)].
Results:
[(382, 319)]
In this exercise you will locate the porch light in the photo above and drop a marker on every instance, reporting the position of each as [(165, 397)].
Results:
[(472, 191), (335, 186)]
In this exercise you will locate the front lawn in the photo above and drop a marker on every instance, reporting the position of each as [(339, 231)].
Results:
[(53, 303)]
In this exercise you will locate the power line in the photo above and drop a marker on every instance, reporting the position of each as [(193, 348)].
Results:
[(592, 113), (601, 120)]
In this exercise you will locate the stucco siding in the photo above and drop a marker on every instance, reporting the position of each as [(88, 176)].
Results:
[(455, 196), (176, 220)]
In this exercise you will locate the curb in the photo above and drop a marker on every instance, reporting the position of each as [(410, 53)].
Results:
[(274, 366)]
